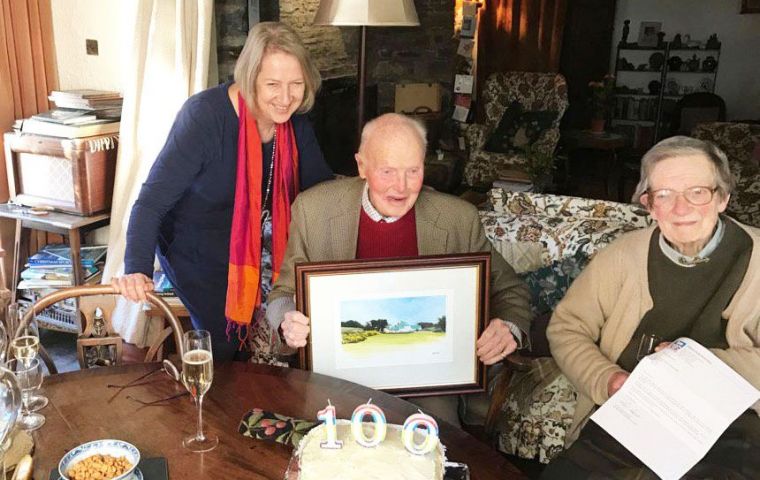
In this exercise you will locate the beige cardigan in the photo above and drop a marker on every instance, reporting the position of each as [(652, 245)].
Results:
[(608, 300), (325, 227)]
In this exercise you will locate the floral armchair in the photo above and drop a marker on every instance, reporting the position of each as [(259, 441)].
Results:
[(548, 239), (534, 92), (741, 142)]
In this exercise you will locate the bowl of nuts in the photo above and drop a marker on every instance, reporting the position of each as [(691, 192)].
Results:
[(100, 460)]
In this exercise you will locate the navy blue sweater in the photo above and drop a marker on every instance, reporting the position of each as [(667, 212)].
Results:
[(184, 210)]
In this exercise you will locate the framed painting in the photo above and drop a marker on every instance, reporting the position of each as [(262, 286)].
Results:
[(648, 34), (404, 326)]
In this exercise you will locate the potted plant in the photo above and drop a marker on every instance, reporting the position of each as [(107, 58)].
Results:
[(539, 167), (602, 96)]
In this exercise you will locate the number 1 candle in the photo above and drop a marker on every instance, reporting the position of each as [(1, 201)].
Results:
[(357, 419), (328, 416)]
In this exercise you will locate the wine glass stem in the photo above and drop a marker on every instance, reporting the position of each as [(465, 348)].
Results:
[(199, 436)]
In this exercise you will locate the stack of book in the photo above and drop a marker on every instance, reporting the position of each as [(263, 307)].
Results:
[(78, 113), (100, 100), (51, 267)]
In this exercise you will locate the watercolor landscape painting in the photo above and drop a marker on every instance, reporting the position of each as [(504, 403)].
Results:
[(385, 325)]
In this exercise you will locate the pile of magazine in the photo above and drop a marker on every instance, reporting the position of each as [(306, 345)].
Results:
[(78, 113), (51, 267)]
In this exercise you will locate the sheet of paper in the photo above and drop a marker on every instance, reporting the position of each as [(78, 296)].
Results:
[(463, 83), (460, 113), (674, 406), (465, 47)]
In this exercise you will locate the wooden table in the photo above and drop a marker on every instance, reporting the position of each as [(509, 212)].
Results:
[(82, 408), (606, 142)]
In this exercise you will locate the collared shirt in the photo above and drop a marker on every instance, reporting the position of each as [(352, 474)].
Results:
[(371, 211), (703, 256)]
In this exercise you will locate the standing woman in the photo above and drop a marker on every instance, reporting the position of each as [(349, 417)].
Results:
[(215, 207)]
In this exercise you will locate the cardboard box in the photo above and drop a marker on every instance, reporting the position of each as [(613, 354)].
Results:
[(418, 98)]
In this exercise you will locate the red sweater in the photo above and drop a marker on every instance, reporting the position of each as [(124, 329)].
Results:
[(383, 240)]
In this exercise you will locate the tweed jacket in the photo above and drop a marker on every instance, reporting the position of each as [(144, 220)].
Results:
[(596, 319), (325, 227)]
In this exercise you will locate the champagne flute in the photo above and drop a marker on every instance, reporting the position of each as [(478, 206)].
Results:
[(25, 348), (29, 376), (10, 406), (3, 342), (197, 375)]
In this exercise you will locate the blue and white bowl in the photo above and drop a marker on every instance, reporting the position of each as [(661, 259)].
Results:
[(114, 448)]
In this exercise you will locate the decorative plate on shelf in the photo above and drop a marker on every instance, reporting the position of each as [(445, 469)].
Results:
[(673, 87), (656, 60), (674, 63)]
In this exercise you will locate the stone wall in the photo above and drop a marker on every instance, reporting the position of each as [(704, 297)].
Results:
[(394, 54), (231, 31)]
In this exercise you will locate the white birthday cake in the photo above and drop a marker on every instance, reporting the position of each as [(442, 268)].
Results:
[(388, 459)]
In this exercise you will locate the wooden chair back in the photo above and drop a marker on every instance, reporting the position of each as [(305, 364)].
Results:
[(98, 332)]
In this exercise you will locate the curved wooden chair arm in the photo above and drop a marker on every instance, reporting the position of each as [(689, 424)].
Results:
[(83, 291), (513, 362), (519, 362)]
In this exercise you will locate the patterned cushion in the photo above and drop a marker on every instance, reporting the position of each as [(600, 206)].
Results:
[(518, 129), (534, 92), (549, 284), (521, 203), (558, 236), (738, 140)]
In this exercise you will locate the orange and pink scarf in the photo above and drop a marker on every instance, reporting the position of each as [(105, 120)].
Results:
[(244, 277)]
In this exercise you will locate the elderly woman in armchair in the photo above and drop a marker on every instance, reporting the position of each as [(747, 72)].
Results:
[(695, 274)]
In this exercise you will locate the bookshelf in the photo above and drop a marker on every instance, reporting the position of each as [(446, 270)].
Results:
[(649, 81)]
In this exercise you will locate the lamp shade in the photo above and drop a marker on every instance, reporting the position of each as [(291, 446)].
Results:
[(380, 13)]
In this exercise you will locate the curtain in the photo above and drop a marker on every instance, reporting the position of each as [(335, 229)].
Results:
[(173, 56), (519, 35), (27, 75)]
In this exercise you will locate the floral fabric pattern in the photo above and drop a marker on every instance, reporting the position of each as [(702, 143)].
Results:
[(537, 429), (549, 284), (534, 92), (540, 404), (273, 427), (738, 141)]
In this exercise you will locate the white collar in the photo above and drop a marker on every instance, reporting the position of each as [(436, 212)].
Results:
[(703, 256), (371, 211)]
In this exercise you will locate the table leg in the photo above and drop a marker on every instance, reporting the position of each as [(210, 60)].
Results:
[(76, 256), (20, 245)]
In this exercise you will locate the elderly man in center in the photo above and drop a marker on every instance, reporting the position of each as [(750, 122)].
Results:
[(387, 213)]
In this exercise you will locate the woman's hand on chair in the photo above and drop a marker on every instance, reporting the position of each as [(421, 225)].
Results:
[(133, 286)]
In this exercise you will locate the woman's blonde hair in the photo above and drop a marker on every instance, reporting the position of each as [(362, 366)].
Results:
[(268, 37)]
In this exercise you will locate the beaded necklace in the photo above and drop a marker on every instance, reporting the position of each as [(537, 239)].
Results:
[(265, 213)]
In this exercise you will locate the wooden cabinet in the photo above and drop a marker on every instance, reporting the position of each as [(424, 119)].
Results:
[(70, 175)]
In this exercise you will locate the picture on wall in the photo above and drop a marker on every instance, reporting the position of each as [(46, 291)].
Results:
[(648, 34)]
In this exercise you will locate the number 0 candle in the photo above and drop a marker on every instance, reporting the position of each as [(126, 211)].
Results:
[(357, 419), (328, 416), (412, 423)]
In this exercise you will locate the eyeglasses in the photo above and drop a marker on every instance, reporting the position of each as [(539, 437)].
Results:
[(666, 197)]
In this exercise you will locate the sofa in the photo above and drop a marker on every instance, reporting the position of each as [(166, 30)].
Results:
[(741, 143), (548, 239)]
